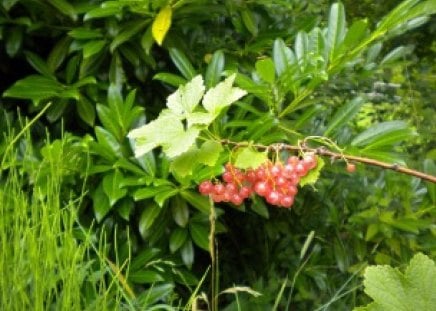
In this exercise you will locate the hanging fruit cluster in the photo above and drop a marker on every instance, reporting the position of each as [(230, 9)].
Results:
[(276, 182)]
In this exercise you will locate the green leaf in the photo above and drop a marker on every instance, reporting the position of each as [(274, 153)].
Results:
[(93, 47), (177, 239), (249, 21), (170, 78), (180, 211), (83, 33), (162, 24), (260, 208), (58, 53), (147, 40), (395, 291), (209, 152), (383, 134), (147, 218), (184, 164), (150, 192), (301, 46), (182, 63), (187, 97), (127, 32), (36, 88), (143, 258), (187, 253), (248, 157), (163, 196), (198, 201), (354, 35), (145, 277), (86, 111), (111, 186), (282, 56), (336, 27), (64, 7), (344, 115), (266, 70), (174, 139), (214, 69), (430, 168), (100, 203), (200, 235), (14, 41), (313, 174), (103, 12), (222, 95), (39, 65), (154, 294), (108, 141)]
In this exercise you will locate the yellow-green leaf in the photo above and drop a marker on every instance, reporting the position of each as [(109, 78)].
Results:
[(161, 24)]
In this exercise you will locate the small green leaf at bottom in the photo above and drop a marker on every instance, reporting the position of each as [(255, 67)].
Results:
[(312, 175)]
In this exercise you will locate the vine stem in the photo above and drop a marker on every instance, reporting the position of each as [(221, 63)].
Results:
[(323, 151)]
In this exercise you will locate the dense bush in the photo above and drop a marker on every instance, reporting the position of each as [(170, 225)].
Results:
[(89, 73)]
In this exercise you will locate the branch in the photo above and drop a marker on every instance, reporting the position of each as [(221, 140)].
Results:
[(323, 151)]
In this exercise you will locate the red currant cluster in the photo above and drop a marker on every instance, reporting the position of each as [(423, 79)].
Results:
[(277, 183)]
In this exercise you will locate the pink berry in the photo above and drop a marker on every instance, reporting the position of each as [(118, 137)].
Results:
[(273, 197), (261, 188), (287, 201), (206, 187), (219, 188), (236, 199)]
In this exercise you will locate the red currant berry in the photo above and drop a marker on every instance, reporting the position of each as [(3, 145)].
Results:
[(293, 160), (227, 176), (351, 168), (219, 188), (301, 169), (287, 201), (236, 199), (275, 170), (261, 188), (231, 188), (273, 197), (292, 190), (310, 161), (288, 170), (206, 187), (281, 181), (245, 192)]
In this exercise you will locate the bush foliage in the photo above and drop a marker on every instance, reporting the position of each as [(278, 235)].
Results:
[(142, 101)]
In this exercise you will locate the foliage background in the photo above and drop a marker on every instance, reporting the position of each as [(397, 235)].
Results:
[(95, 60)]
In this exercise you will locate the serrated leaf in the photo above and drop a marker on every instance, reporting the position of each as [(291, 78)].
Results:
[(162, 24), (209, 152), (222, 95), (313, 175), (395, 291), (199, 118), (184, 164), (248, 157), (187, 97), (174, 139)]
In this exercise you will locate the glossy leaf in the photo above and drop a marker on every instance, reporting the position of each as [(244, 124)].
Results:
[(266, 70), (336, 27), (196, 200), (86, 111), (382, 134), (182, 63), (187, 253), (214, 69), (111, 186), (344, 115), (177, 239), (147, 218), (145, 277), (200, 235), (101, 203), (180, 211)]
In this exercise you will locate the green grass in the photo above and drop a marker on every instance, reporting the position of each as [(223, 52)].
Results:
[(43, 265)]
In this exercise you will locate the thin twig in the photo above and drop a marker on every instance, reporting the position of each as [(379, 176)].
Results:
[(323, 151)]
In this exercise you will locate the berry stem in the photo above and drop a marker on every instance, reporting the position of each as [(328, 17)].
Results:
[(323, 151)]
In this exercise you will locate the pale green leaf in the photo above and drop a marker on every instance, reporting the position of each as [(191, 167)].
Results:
[(248, 157), (383, 133), (179, 140), (209, 152), (394, 291), (184, 164), (187, 97), (266, 70), (199, 118), (313, 175), (222, 95)]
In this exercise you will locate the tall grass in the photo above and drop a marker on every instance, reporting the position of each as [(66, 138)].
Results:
[(43, 266)]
